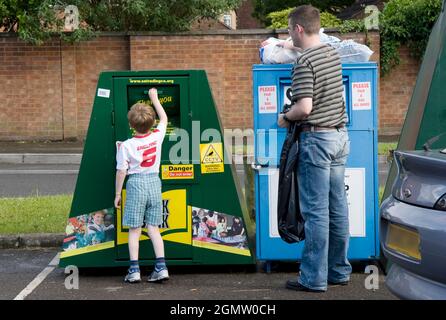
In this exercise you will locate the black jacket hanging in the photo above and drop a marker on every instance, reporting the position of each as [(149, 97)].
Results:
[(290, 221)]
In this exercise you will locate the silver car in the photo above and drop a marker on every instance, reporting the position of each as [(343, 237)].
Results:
[(413, 226)]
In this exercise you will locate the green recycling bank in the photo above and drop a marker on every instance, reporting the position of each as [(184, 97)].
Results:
[(197, 181)]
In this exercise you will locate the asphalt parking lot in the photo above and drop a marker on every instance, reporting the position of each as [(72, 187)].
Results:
[(25, 274)]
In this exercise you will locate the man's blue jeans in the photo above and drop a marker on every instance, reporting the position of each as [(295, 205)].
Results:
[(323, 203)]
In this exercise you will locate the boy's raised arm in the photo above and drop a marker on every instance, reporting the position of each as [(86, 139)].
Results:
[(153, 94)]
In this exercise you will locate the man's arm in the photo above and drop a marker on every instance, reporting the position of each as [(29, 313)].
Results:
[(153, 94), (301, 92), (299, 111)]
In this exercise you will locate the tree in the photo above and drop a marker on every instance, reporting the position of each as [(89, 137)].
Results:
[(263, 7), (38, 20)]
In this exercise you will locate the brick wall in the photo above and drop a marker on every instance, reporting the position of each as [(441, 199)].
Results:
[(395, 94), (30, 90), (93, 57), (47, 91), (227, 59)]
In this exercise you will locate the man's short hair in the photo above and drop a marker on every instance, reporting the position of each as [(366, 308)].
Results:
[(141, 117), (306, 16)]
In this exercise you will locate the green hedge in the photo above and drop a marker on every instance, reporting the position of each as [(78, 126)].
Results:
[(406, 22)]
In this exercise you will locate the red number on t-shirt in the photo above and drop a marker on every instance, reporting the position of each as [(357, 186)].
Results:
[(148, 157)]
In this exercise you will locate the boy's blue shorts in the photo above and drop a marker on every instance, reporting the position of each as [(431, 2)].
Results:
[(143, 201)]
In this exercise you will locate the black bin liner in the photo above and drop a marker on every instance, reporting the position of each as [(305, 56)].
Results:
[(290, 220)]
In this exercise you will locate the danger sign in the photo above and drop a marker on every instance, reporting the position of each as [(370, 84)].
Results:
[(211, 155), (361, 96), (267, 99), (177, 171)]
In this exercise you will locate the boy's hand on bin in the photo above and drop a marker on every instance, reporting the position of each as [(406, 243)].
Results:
[(153, 94), (118, 201)]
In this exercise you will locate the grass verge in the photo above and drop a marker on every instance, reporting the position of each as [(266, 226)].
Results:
[(38, 214), (43, 214), (385, 147), (380, 196)]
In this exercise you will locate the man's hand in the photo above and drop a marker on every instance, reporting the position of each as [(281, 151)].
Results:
[(281, 122)]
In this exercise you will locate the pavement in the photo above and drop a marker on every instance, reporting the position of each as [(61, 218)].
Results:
[(32, 270), (32, 240), (41, 147)]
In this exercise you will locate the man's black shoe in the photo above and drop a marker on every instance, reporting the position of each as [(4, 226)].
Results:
[(336, 284), (295, 285)]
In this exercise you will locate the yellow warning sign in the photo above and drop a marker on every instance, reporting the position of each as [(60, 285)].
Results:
[(211, 155), (177, 171)]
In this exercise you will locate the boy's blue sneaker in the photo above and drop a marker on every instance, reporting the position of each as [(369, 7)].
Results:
[(159, 276), (133, 276)]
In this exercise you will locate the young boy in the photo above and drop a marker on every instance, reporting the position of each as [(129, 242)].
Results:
[(139, 157)]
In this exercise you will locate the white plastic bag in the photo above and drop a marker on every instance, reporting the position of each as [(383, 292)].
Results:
[(274, 52), (325, 38), (351, 51)]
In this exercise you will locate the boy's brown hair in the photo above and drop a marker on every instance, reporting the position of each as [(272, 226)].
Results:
[(306, 16), (141, 117)]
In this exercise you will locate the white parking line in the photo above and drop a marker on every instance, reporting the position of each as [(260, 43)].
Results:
[(39, 279)]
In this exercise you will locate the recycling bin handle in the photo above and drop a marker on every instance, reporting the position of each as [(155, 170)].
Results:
[(257, 167)]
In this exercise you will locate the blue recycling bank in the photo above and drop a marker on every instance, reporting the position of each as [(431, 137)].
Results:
[(270, 86)]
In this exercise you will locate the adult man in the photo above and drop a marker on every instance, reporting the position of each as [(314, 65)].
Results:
[(318, 104)]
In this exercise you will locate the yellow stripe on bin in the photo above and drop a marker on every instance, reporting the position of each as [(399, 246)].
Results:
[(220, 247), (88, 249)]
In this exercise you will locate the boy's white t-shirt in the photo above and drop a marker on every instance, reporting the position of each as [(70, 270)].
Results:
[(142, 153)]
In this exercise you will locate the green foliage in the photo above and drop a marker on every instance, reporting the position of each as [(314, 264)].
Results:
[(279, 20), (3, 9), (380, 195), (406, 22), (389, 56), (32, 17), (329, 20), (262, 8), (353, 25), (38, 20), (384, 148)]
